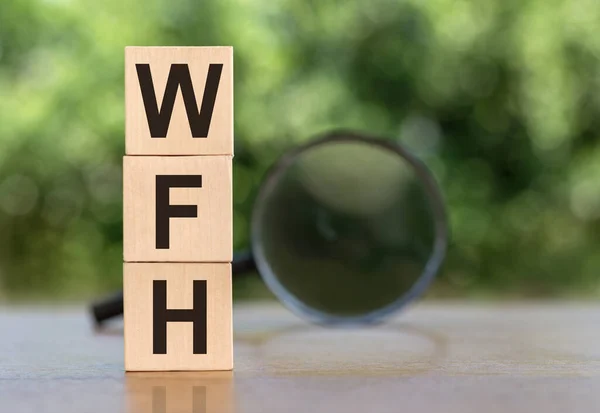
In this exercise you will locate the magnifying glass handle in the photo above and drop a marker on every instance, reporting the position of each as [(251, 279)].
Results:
[(109, 307)]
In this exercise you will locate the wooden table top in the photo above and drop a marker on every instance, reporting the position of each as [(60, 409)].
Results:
[(436, 357)]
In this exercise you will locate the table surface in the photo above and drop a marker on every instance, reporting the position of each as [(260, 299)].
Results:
[(446, 357)]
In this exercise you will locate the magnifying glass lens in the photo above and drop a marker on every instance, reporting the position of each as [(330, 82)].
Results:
[(345, 229)]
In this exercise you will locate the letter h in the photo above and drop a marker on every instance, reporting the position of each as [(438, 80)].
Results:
[(162, 316)]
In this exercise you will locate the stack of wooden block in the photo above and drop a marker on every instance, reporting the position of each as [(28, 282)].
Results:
[(177, 208)]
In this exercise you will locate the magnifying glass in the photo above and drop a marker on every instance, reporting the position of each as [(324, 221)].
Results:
[(346, 229)]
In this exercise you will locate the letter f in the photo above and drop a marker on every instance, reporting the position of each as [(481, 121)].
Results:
[(165, 211)]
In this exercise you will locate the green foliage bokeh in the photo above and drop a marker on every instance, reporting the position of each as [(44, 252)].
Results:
[(500, 98)]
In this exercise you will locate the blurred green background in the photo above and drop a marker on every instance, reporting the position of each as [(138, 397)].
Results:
[(501, 98)]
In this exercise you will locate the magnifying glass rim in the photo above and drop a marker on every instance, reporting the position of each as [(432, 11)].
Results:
[(432, 266)]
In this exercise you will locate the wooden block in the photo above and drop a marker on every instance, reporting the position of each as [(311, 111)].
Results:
[(177, 316), (177, 209), (179, 100), (193, 392)]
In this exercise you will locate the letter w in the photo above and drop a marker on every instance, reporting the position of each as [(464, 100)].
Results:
[(179, 77)]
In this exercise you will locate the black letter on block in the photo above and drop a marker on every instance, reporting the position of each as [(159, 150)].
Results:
[(162, 316), (164, 210), (179, 77)]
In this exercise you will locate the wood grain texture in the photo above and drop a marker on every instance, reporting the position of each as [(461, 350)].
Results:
[(205, 238), (138, 290), (447, 357), (179, 139)]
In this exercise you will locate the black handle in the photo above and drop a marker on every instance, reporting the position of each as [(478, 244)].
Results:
[(107, 308), (103, 310)]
